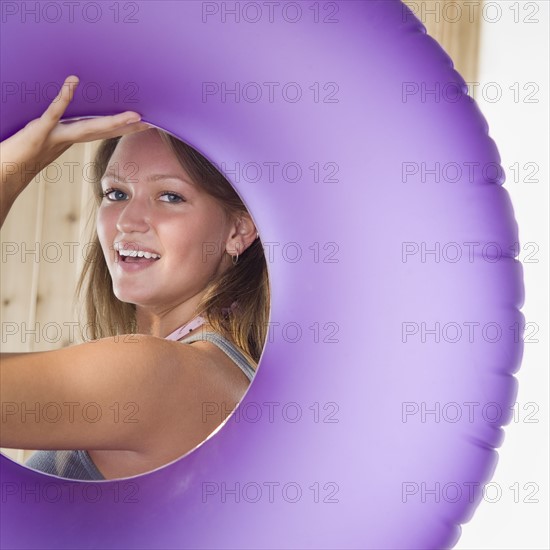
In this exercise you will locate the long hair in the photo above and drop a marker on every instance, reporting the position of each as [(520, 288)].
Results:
[(245, 283)]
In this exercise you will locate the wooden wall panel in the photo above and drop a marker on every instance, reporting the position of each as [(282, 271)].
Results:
[(19, 268), (59, 237), (65, 215), (456, 25)]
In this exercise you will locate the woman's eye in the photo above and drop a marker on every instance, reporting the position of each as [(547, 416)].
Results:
[(116, 195), (174, 196), (110, 192)]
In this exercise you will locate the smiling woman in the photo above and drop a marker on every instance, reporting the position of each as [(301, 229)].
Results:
[(177, 260)]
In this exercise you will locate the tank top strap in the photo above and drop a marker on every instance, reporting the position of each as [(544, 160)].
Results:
[(226, 346)]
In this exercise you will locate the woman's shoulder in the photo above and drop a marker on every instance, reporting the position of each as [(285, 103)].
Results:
[(223, 350)]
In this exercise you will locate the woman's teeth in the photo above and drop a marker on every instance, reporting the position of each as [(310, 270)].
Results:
[(139, 254)]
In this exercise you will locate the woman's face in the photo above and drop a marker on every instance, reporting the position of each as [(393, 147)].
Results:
[(155, 206)]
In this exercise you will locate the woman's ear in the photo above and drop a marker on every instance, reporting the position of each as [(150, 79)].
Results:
[(242, 234)]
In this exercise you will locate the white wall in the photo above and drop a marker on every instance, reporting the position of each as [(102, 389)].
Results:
[(515, 51)]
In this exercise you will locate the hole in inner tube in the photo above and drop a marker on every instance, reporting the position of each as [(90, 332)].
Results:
[(197, 222)]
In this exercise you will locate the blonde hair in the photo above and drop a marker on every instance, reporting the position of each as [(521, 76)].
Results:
[(246, 282)]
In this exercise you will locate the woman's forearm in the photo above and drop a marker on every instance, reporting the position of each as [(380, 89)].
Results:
[(9, 354), (10, 189), (14, 177), (8, 194)]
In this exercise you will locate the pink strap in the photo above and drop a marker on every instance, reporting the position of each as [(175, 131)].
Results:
[(184, 330)]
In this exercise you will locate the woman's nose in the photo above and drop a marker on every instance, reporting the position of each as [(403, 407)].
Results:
[(133, 217)]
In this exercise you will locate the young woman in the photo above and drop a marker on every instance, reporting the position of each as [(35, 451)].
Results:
[(177, 260)]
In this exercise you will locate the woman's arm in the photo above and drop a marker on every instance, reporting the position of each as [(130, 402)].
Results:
[(26, 153), (131, 392)]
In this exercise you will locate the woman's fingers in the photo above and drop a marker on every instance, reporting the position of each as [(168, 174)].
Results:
[(99, 128), (58, 106), (44, 138), (129, 129), (83, 130), (116, 131)]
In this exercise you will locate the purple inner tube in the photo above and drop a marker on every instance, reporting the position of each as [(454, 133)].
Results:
[(386, 379)]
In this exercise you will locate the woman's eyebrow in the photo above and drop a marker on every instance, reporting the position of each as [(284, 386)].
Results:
[(157, 177), (153, 177)]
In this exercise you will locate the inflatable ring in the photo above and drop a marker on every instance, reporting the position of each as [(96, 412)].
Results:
[(395, 328)]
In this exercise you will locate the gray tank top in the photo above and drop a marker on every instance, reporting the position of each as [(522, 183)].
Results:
[(79, 465)]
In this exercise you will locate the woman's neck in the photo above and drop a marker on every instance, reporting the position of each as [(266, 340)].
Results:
[(163, 323)]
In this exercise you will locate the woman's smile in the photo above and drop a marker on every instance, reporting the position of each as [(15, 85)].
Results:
[(132, 264), (133, 257)]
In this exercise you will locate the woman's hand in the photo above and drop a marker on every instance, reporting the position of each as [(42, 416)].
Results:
[(43, 139)]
